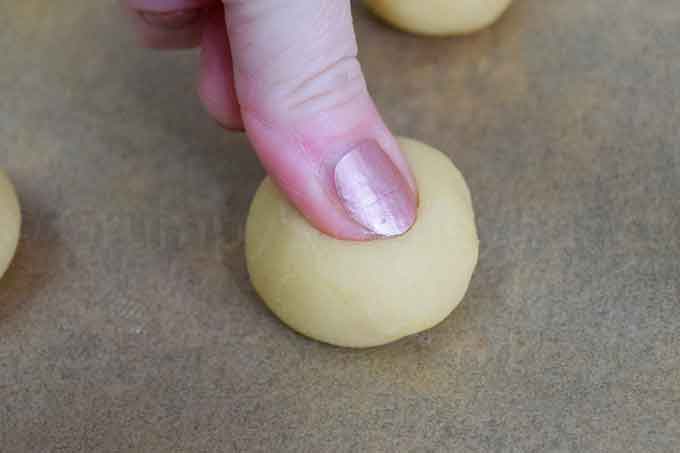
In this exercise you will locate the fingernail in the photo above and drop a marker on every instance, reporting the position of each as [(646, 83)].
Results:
[(374, 192), (171, 19)]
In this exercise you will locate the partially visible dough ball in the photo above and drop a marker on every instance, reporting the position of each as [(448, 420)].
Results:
[(439, 17), (361, 294), (10, 221)]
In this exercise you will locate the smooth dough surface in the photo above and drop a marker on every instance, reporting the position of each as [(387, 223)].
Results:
[(439, 17), (361, 294), (10, 221)]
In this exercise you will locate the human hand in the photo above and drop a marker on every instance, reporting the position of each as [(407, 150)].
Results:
[(286, 72)]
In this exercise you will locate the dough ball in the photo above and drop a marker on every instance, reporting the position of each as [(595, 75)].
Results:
[(439, 17), (361, 294), (10, 221)]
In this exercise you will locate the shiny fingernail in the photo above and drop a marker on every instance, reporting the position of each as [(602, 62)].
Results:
[(374, 192), (171, 19)]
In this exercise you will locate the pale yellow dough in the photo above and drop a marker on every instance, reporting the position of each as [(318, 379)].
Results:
[(361, 294), (439, 17), (10, 221)]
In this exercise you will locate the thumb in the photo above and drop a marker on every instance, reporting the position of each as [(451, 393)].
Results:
[(307, 112)]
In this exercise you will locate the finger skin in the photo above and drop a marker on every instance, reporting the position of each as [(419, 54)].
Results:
[(168, 24), (288, 72), (216, 77), (305, 106), (168, 5)]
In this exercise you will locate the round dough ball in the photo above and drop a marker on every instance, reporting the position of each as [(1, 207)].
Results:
[(439, 17), (361, 294), (10, 221)]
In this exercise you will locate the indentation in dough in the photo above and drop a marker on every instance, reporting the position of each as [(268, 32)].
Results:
[(361, 294)]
